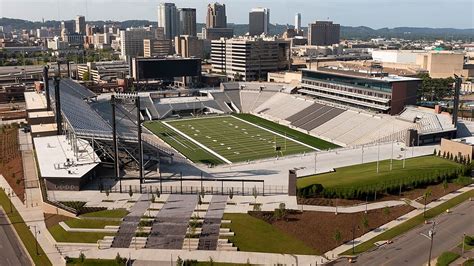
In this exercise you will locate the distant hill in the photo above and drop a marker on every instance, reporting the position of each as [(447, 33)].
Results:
[(347, 32)]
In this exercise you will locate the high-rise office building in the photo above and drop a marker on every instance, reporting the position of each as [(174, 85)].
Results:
[(156, 48), (216, 17), (168, 19), (259, 21), (323, 33), (249, 58), (298, 22), (81, 25), (187, 21), (132, 41), (216, 23), (68, 26), (189, 46)]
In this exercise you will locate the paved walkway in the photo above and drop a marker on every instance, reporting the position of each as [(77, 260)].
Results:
[(169, 229), (333, 254), (212, 223), (32, 194), (130, 223), (353, 209)]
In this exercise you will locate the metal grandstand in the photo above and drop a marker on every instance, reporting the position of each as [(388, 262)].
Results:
[(112, 126)]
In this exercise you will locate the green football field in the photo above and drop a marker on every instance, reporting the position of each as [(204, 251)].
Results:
[(225, 139)]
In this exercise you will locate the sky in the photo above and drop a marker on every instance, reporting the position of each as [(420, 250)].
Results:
[(371, 13)]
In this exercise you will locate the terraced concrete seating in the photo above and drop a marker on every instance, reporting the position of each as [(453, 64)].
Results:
[(248, 99), (282, 105), (169, 229), (130, 223), (314, 114), (212, 223), (304, 112), (319, 120), (334, 123)]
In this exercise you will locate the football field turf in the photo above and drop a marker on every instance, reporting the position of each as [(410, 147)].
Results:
[(226, 138)]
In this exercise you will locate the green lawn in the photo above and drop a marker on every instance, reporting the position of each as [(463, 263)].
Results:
[(446, 258), (366, 174), (117, 213), (294, 134), (230, 138), (186, 147), (22, 230), (252, 234), (89, 223), (92, 262), (62, 235), (412, 223)]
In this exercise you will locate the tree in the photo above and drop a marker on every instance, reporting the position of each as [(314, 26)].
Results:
[(179, 261), (86, 76), (445, 184), (280, 213), (130, 192), (255, 194), (199, 200), (337, 236), (82, 257), (231, 193), (365, 222), (119, 260), (426, 195)]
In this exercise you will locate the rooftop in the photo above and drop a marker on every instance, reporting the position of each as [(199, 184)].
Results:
[(56, 157), (364, 74), (35, 101)]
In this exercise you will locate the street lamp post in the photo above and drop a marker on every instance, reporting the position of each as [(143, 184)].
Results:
[(353, 238), (36, 238)]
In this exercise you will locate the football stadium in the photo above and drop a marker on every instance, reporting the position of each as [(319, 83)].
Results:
[(172, 132)]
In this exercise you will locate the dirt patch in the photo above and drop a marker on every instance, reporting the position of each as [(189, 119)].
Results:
[(11, 166), (54, 219), (318, 229), (437, 191)]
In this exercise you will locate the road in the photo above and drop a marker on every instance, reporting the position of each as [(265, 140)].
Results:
[(412, 248), (12, 252)]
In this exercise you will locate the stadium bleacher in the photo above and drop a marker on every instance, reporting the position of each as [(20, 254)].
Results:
[(282, 105)]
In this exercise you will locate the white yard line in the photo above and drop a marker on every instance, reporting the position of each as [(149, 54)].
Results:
[(283, 136), (198, 143)]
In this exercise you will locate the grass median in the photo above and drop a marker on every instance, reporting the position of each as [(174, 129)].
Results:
[(22, 230), (411, 223)]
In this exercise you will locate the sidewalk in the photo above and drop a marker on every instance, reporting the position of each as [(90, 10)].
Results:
[(333, 254), (165, 257), (353, 209)]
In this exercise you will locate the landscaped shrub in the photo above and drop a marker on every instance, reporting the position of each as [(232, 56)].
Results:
[(469, 240), (387, 187)]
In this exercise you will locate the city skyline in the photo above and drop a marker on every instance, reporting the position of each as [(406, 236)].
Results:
[(347, 13)]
